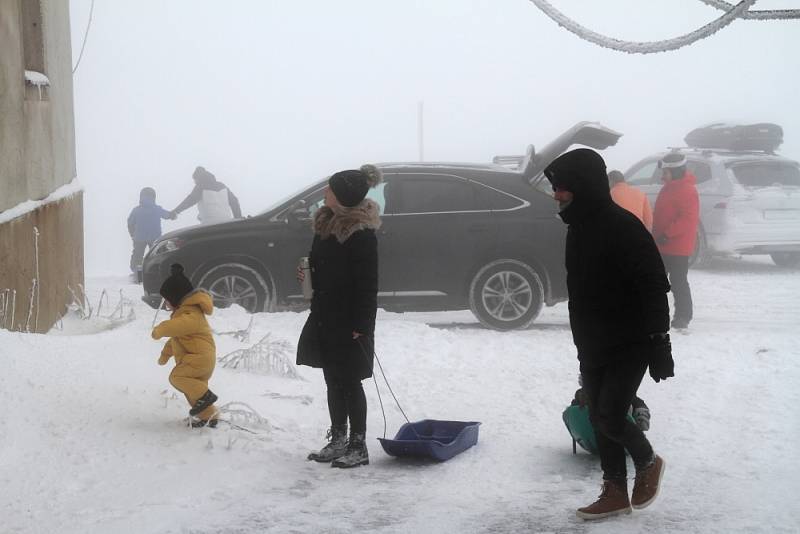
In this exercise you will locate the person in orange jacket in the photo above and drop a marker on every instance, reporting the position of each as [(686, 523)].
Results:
[(191, 343), (675, 222), (631, 198)]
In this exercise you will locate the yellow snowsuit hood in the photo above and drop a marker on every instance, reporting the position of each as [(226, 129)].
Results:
[(188, 330)]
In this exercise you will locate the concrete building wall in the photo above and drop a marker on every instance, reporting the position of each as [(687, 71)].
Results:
[(13, 186), (47, 246), (37, 133), (37, 153)]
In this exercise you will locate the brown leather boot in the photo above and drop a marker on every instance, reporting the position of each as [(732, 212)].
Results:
[(612, 501), (648, 480)]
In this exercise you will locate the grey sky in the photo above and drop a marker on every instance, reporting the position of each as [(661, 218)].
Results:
[(271, 95)]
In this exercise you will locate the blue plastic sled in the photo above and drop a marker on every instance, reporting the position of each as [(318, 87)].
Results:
[(429, 438)]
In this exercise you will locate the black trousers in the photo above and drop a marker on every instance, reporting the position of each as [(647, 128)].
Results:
[(137, 255), (610, 390), (346, 399), (678, 270)]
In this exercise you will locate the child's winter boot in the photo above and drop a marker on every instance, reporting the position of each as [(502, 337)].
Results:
[(208, 417), (200, 423), (336, 447), (356, 453), (648, 480), (203, 402), (613, 500)]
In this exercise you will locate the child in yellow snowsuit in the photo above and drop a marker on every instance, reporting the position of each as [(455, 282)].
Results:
[(191, 343)]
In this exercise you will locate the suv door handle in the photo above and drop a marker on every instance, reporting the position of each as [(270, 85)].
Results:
[(476, 228)]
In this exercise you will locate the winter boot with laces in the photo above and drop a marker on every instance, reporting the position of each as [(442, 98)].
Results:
[(203, 402), (336, 447), (647, 483), (613, 500), (356, 453)]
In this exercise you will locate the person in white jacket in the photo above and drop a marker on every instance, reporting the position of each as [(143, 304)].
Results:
[(215, 202)]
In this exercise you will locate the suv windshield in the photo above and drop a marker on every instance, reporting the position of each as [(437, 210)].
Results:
[(765, 174)]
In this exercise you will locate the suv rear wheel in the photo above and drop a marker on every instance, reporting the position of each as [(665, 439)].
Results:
[(234, 283), (786, 259), (506, 294)]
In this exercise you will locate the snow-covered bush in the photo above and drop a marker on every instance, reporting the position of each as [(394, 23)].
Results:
[(268, 356)]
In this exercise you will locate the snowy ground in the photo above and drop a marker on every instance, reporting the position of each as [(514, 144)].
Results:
[(93, 441)]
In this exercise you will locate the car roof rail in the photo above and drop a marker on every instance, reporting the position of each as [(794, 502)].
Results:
[(708, 152), (512, 162)]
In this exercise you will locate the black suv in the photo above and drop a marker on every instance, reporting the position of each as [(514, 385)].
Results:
[(454, 236)]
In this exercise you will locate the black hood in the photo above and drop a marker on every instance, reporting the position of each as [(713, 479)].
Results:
[(583, 173)]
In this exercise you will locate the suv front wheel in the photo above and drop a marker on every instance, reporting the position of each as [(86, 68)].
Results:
[(234, 283), (506, 294)]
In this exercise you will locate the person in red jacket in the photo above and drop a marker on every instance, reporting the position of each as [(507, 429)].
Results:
[(675, 220)]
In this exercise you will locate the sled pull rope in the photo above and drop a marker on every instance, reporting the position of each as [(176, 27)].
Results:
[(375, 354)]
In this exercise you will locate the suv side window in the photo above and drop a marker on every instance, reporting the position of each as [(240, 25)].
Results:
[(315, 201), (766, 174), (433, 194), (489, 198), (700, 170), (647, 174)]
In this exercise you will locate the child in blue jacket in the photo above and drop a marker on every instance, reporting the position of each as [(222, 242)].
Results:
[(144, 226)]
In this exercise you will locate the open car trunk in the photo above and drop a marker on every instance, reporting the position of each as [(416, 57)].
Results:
[(591, 134)]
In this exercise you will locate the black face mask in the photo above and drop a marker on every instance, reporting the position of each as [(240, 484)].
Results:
[(568, 213)]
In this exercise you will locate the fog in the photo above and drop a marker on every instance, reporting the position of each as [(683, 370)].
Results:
[(270, 96)]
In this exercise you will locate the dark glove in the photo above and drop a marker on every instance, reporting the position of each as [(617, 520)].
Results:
[(662, 239), (659, 357)]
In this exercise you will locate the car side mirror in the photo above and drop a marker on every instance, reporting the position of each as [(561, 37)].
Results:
[(298, 213)]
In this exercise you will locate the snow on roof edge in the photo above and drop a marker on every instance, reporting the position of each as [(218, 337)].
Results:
[(23, 208)]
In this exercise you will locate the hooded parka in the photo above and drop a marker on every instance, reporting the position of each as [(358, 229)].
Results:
[(615, 277), (192, 345), (344, 275), (144, 221)]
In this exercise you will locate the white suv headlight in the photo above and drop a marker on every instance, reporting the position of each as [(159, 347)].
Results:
[(168, 245)]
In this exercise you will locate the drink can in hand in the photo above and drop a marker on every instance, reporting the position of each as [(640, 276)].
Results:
[(305, 265)]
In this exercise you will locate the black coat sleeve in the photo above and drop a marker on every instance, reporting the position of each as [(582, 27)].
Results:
[(641, 264), (362, 250), (190, 200), (233, 202)]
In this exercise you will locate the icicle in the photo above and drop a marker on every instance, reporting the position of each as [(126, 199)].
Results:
[(36, 260), (30, 307), (13, 307)]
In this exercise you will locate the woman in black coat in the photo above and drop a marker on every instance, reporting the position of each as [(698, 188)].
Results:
[(339, 333)]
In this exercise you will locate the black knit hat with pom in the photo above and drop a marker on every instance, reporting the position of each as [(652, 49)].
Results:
[(351, 186), (176, 286)]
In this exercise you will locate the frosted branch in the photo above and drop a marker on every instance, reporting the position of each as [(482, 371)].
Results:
[(732, 12)]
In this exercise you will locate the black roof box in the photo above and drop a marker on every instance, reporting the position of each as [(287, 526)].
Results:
[(763, 137)]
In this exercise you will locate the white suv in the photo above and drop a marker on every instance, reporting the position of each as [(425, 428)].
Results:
[(749, 201)]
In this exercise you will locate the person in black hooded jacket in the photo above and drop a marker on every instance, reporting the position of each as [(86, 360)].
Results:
[(338, 334), (619, 316)]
